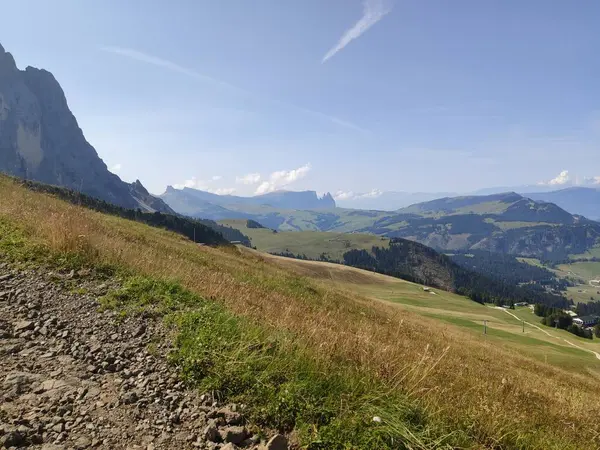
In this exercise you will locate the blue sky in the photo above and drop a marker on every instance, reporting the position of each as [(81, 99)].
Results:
[(332, 95)]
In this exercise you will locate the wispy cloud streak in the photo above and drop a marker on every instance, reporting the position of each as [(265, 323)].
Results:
[(166, 64), (373, 12), (174, 67)]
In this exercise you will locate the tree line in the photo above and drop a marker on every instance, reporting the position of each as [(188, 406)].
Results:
[(588, 309), (508, 269), (400, 258), (202, 231)]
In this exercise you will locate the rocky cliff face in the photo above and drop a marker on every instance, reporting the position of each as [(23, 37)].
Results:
[(41, 140)]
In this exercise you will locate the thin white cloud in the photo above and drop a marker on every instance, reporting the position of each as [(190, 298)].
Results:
[(561, 179), (193, 183), (264, 187), (344, 195), (350, 195), (217, 177), (591, 180), (333, 119), (249, 179), (282, 178), (372, 194), (166, 64), (222, 191), (565, 178), (174, 67), (373, 12), (116, 168)]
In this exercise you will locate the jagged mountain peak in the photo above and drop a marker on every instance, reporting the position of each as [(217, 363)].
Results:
[(7, 61), (41, 140), (189, 200)]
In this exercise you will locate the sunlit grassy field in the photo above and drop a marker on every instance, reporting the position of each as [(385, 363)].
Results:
[(415, 348), (502, 328), (587, 271), (591, 253), (581, 273), (309, 243)]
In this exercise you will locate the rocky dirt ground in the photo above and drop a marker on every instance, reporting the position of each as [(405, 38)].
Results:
[(72, 377)]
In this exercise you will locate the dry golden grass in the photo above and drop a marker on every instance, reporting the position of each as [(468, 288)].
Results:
[(503, 398)]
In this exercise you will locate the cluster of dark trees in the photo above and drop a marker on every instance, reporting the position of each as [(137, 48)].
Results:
[(288, 254), (407, 260), (588, 309), (421, 227), (203, 231), (555, 317), (508, 269), (323, 257), (401, 260), (567, 240), (253, 224)]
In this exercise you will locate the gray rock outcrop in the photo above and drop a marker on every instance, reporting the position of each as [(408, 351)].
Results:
[(40, 140)]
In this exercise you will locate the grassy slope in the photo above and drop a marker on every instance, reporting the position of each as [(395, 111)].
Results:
[(582, 272), (585, 270), (591, 253), (347, 220), (513, 225), (423, 373), (310, 243), (489, 207), (504, 330)]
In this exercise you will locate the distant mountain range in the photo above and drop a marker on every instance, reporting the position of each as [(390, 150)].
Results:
[(584, 201), (503, 223), (580, 200), (196, 203), (390, 200), (40, 140)]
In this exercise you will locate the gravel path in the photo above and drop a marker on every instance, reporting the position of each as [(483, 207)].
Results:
[(72, 377)]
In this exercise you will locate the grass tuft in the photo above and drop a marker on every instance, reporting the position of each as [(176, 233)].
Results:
[(285, 387)]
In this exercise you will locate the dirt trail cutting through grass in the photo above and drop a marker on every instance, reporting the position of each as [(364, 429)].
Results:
[(72, 376), (596, 354)]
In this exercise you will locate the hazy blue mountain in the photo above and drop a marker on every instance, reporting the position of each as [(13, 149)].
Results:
[(390, 200), (584, 201), (503, 223), (194, 202)]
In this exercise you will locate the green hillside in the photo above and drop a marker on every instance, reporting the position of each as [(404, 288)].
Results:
[(503, 280), (502, 223), (313, 244), (582, 270)]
